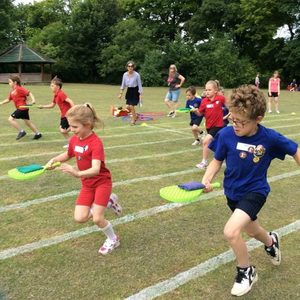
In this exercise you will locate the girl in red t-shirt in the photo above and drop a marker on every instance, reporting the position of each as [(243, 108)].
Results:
[(274, 92), (19, 96), (95, 194), (212, 109)]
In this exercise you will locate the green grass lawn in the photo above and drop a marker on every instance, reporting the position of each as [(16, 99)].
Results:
[(153, 248)]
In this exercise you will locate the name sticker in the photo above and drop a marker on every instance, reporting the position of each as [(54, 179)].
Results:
[(245, 147), (79, 149)]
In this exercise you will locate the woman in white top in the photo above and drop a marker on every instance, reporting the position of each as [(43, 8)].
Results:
[(131, 80)]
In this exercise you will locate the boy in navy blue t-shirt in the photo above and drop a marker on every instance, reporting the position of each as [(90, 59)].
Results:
[(194, 102), (248, 149)]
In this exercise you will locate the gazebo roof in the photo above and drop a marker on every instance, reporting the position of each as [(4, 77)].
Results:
[(21, 53)]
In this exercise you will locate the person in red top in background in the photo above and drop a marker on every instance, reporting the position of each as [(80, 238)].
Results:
[(95, 194), (19, 96), (64, 103), (274, 92), (212, 109)]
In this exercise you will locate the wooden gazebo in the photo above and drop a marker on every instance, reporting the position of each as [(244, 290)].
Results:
[(16, 59)]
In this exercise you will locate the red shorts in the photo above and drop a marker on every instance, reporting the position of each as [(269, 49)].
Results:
[(99, 195)]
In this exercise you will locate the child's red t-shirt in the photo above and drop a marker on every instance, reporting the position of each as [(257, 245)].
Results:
[(19, 96), (212, 111), (85, 151), (60, 99)]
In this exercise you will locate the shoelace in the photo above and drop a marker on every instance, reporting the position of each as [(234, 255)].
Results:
[(240, 276), (271, 251)]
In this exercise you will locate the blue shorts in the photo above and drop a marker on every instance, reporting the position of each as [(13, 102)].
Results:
[(196, 121), (173, 95), (250, 203)]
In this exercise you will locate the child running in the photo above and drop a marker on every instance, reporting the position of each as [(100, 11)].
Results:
[(248, 149), (194, 102), (64, 103), (19, 96), (211, 109), (95, 194)]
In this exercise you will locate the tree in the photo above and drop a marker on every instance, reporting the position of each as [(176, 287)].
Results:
[(131, 41), (89, 32), (6, 26), (165, 18)]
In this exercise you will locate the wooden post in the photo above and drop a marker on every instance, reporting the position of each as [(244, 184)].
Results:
[(20, 69), (42, 72)]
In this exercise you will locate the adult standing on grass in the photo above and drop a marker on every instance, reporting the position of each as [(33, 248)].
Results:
[(274, 92), (64, 103), (248, 149), (175, 82), (132, 80), (95, 194), (19, 96)]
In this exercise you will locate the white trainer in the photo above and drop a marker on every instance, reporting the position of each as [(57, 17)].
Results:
[(244, 280), (114, 204), (274, 250), (203, 165), (109, 245), (196, 142)]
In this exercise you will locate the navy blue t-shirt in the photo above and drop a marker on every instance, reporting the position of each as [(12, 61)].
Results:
[(196, 104), (248, 159)]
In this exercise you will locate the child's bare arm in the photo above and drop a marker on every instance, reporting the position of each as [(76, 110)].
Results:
[(70, 101), (211, 171), (32, 98), (4, 101), (91, 172), (59, 158), (50, 105)]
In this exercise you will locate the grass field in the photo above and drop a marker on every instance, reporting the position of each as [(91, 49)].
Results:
[(44, 254)]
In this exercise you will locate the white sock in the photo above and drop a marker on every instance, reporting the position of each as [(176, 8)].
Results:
[(204, 161), (109, 231), (108, 204)]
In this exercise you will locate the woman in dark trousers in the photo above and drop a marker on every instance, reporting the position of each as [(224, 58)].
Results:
[(131, 80)]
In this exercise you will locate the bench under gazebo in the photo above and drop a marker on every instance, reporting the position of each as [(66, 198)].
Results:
[(25, 62)]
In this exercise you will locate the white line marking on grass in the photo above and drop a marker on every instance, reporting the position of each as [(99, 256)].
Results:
[(147, 131), (181, 132), (151, 156), (117, 160), (63, 141), (87, 230), (202, 269), (11, 252), (29, 155), (75, 192), (106, 148)]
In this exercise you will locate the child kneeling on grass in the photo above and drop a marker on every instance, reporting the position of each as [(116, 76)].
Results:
[(248, 149), (95, 194)]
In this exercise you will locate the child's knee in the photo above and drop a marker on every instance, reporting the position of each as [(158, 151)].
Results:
[(195, 128), (99, 220), (230, 233), (80, 218)]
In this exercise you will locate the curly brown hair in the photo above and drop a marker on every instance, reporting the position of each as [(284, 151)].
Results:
[(248, 100)]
